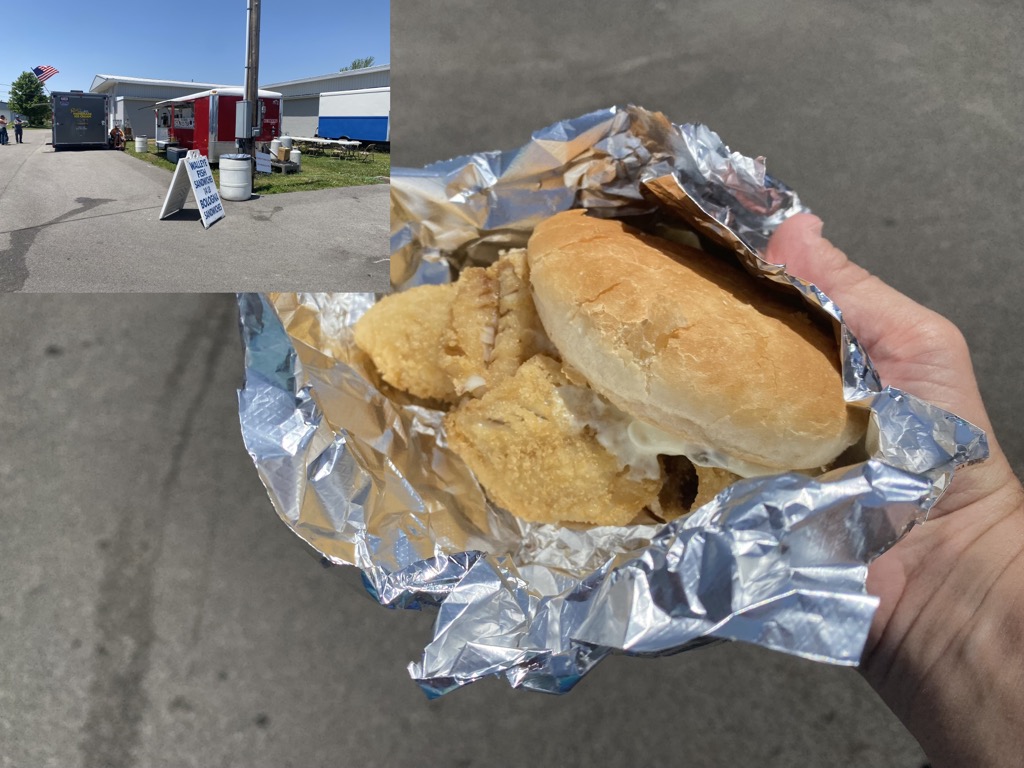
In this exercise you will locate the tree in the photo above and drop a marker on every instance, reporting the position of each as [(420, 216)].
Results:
[(359, 64), (28, 99)]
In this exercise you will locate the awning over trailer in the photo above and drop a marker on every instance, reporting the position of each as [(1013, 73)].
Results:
[(223, 91)]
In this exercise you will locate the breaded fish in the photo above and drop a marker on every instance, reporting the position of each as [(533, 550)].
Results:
[(494, 325), (533, 458), (710, 482), (402, 335)]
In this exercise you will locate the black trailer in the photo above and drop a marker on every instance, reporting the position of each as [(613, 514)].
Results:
[(79, 120)]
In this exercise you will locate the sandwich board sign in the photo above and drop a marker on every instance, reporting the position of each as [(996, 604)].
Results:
[(193, 173)]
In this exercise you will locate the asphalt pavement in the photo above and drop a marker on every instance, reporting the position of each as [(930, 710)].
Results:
[(155, 612), (88, 221)]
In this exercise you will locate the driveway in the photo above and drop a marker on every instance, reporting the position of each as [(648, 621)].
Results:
[(89, 221)]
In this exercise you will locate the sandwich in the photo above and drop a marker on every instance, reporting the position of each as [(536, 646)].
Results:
[(604, 375)]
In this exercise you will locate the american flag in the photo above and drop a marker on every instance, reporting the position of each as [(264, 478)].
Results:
[(44, 72)]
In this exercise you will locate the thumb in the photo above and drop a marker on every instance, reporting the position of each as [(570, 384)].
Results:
[(912, 347), (870, 307)]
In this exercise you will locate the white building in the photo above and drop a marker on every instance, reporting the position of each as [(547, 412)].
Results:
[(132, 98), (5, 109), (302, 97)]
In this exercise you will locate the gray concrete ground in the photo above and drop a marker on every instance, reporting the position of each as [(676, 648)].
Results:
[(154, 612), (89, 222)]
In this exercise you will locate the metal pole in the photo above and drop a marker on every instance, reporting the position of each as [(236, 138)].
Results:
[(252, 79)]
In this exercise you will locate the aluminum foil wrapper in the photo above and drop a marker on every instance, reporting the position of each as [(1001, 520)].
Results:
[(369, 481)]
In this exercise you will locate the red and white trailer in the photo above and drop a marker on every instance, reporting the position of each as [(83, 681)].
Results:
[(206, 120)]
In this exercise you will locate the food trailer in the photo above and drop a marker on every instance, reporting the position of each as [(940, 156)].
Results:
[(79, 120), (363, 115), (206, 120)]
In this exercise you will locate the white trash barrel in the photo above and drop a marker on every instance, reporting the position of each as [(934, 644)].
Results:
[(141, 144), (296, 157), (286, 142), (235, 177)]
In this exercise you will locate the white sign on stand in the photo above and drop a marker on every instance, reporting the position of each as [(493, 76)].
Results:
[(193, 173), (263, 162)]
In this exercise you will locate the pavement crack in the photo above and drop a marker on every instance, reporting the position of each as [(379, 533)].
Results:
[(213, 323), (124, 612)]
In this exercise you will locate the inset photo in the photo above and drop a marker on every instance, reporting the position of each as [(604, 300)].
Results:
[(240, 147)]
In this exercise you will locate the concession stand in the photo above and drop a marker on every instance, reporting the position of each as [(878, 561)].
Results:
[(206, 120)]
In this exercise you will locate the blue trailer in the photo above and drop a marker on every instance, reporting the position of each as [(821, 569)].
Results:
[(362, 115)]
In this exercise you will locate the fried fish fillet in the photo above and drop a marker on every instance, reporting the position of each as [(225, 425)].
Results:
[(493, 326), (402, 334), (533, 458), (710, 482), (478, 345), (444, 341)]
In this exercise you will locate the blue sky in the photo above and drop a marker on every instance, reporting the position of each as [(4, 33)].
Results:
[(201, 40)]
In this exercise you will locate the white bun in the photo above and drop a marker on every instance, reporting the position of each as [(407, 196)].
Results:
[(693, 346)]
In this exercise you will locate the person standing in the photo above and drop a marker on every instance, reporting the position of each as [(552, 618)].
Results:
[(19, 129), (3, 130)]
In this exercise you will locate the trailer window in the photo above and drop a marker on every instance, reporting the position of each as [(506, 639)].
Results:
[(184, 116)]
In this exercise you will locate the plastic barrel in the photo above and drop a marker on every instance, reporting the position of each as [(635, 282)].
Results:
[(286, 142), (296, 157), (141, 144), (235, 177)]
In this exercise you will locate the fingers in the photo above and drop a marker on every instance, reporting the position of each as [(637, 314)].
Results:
[(912, 347), (870, 307)]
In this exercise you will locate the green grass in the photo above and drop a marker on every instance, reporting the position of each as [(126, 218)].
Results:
[(318, 172)]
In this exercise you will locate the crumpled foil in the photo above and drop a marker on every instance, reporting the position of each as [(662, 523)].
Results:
[(369, 481)]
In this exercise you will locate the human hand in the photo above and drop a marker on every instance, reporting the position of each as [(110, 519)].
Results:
[(944, 650)]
